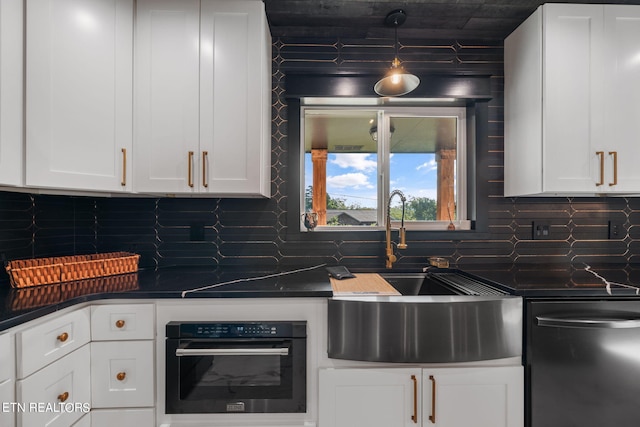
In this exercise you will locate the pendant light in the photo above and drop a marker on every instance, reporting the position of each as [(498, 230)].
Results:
[(397, 81)]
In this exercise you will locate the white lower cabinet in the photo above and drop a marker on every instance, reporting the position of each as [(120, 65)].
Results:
[(7, 380), (122, 374), (122, 365), (138, 417), (446, 397), (369, 397), (58, 394), (8, 398), (479, 397), (85, 421)]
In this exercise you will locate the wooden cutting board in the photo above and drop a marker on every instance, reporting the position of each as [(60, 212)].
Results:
[(363, 284)]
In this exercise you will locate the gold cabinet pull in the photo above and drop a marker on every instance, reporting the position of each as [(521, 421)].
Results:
[(63, 397), (124, 167), (190, 169), (120, 324), (432, 417), (120, 376), (63, 337), (615, 167), (205, 184), (414, 417), (601, 155)]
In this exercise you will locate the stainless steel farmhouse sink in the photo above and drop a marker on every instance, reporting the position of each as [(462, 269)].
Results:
[(440, 283), (430, 323)]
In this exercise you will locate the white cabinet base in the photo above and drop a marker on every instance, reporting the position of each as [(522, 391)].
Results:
[(133, 417), (122, 374)]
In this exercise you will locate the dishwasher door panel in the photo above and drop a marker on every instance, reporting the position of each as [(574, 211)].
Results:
[(584, 363)]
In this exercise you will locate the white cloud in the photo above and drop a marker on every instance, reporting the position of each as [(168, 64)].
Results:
[(429, 166), (353, 180), (357, 161)]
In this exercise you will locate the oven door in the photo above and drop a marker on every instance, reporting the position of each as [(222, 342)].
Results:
[(238, 375)]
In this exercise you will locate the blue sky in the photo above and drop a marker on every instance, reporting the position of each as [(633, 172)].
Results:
[(352, 176)]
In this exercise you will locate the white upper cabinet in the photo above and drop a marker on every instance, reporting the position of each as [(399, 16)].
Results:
[(166, 95), (11, 103), (202, 98), (622, 98), (79, 94), (571, 87)]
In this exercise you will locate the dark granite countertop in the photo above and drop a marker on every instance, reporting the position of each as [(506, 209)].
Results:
[(527, 280), (563, 280), (22, 305)]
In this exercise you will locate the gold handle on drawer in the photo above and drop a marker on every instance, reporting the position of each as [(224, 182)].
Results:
[(120, 376), (124, 167), (205, 184), (615, 168), (432, 417), (414, 417), (120, 324), (63, 337), (63, 397), (190, 169), (601, 155)]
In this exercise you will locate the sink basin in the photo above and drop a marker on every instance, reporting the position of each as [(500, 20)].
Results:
[(416, 284), (415, 328)]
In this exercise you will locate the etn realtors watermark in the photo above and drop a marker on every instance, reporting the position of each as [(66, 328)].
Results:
[(55, 407)]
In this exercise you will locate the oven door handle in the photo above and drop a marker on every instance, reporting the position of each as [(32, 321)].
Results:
[(588, 323), (232, 351)]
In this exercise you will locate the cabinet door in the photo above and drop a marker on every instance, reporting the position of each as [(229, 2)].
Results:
[(63, 386), (7, 397), (622, 106), (79, 93), (11, 102), (479, 397), (369, 397), (122, 374), (235, 103), (166, 96), (573, 97)]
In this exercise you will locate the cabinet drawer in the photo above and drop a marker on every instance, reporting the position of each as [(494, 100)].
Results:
[(122, 322), (7, 396), (7, 358), (122, 374), (63, 386), (123, 417), (42, 344)]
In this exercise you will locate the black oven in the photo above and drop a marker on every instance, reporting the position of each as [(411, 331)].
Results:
[(248, 367)]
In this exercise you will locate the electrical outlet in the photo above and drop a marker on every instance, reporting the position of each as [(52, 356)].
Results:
[(616, 230), (196, 232), (540, 230)]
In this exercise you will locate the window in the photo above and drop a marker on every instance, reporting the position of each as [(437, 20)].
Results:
[(354, 157)]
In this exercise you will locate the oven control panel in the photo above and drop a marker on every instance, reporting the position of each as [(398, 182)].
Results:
[(236, 330)]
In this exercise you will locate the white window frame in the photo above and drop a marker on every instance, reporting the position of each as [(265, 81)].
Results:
[(385, 114)]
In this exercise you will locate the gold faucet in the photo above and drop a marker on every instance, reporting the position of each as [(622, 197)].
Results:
[(391, 258)]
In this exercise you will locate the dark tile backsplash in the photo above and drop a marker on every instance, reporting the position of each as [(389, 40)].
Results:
[(253, 232)]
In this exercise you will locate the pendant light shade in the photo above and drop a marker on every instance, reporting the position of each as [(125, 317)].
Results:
[(397, 81)]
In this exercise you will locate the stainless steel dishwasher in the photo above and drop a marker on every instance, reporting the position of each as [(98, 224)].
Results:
[(583, 363)]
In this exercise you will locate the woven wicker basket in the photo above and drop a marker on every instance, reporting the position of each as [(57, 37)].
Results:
[(46, 271), (39, 296)]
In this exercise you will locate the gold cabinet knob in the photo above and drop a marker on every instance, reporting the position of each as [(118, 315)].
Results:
[(63, 397), (120, 376), (63, 337), (120, 324)]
